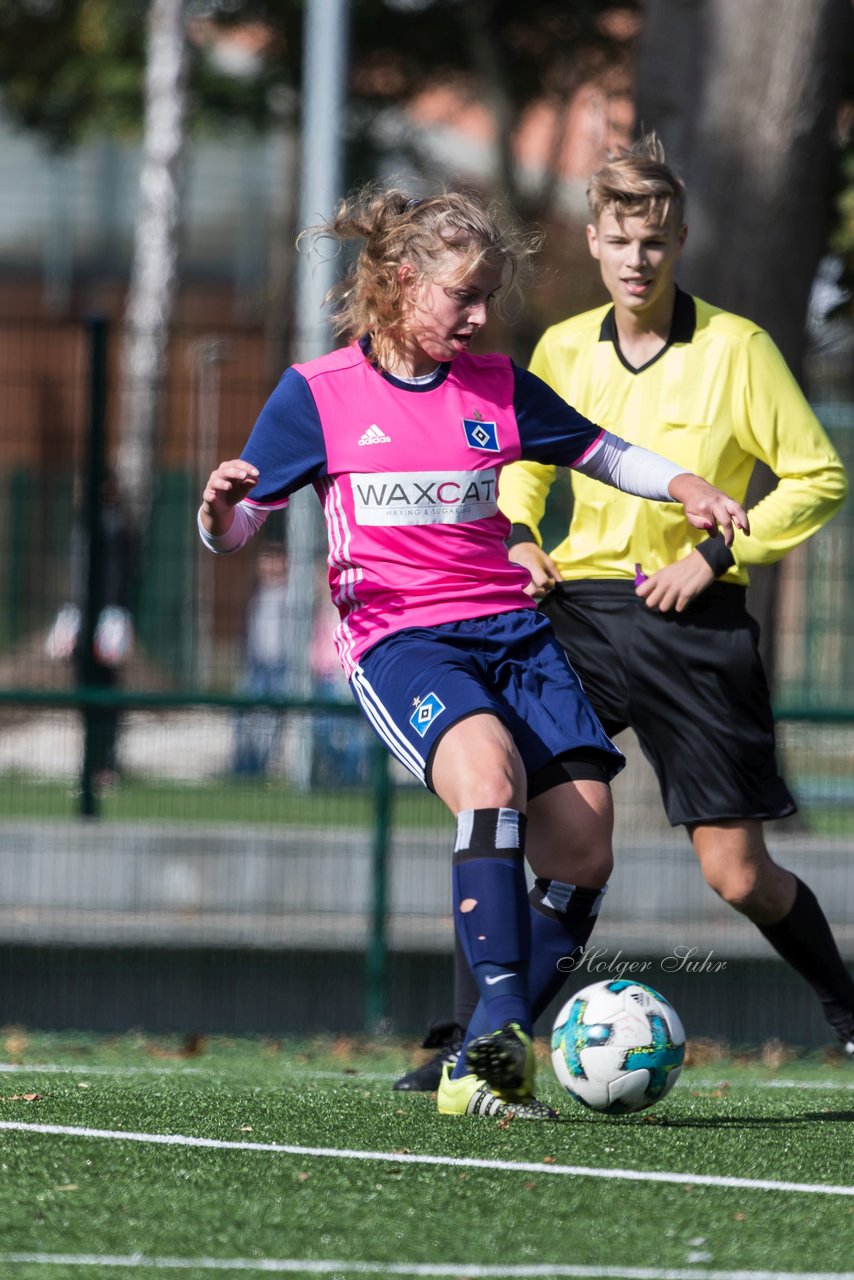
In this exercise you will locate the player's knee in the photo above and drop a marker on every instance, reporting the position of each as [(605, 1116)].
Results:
[(498, 787), (493, 794), (764, 893), (589, 865), (737, 865), (595, 863), (591, 849), (740, 887), (741, 897)]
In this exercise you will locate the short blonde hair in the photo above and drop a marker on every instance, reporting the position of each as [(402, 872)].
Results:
[(397, 228), (637, 181)]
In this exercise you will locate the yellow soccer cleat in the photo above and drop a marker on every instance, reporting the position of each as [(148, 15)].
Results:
[(469, 1096)]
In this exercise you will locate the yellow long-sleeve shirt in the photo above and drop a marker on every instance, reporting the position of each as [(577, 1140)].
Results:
[(719, 397)]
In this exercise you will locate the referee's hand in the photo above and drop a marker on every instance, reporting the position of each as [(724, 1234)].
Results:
[(543, 570), (709, 508), (677, 584)]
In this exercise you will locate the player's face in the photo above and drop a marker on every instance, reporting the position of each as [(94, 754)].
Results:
[(444, 312), (637, 259)]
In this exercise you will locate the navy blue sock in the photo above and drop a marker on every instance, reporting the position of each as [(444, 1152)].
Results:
[(465, 988), (562, 920), (491, 913)]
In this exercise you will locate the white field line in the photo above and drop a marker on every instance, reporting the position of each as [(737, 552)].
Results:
[(78, 1069), (830, 1085), (456, 1162), (323, 1266), (354, 1074), (178, 1068)]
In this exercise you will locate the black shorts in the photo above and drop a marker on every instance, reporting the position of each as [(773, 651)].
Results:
[(692, 687)]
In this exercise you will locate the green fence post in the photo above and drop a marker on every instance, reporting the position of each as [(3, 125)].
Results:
[(19, 501), (91, 524), (376, 959)]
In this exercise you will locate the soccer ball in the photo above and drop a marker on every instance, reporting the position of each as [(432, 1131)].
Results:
[(618, 1047)]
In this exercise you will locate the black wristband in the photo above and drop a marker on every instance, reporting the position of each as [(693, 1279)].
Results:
[(716, 554), (520, 533)]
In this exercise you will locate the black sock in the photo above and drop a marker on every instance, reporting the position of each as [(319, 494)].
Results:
[(804, 940)]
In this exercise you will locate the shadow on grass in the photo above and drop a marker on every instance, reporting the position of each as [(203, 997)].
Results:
[(737, 1122)]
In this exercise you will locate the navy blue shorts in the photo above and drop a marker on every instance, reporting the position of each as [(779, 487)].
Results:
[(417, 683)]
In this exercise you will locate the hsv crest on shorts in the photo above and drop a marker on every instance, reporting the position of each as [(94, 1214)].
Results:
[(481, 435), (428, 708)]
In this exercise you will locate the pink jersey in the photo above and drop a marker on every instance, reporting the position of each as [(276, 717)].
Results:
[(409, 488)]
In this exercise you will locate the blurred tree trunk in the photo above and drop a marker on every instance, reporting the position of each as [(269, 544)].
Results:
[(154, 279), (744, 97)]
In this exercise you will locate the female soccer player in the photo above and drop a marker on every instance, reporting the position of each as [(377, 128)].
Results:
[(403, 434)]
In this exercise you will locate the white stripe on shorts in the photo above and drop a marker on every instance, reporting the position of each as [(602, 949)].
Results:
[(399, 746)]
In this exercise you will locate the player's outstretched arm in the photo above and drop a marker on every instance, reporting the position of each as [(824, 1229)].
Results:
[(707, 507), (226, 486)]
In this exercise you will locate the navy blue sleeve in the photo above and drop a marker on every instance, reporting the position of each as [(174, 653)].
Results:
[(550, 430), (286, 444)]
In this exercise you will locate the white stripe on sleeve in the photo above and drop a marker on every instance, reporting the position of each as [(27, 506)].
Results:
[(630, 468), (247, 521)]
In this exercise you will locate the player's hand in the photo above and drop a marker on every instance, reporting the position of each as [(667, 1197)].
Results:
[(543, 570), (676, 585), (709, 508), (226, 486)]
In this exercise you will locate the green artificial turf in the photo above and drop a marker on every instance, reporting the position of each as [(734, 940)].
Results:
[(83, 1196)]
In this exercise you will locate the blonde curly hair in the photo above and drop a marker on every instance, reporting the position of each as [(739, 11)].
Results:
[(397, 228)]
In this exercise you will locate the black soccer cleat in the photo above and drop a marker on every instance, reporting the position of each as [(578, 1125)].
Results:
[(447, 1038), (505, 1060)]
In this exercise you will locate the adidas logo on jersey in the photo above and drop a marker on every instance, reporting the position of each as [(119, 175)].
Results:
[(374, 435)]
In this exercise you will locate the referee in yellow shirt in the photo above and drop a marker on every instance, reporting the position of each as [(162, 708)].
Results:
[(651, 612)]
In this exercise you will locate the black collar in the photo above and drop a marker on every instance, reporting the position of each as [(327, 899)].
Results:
[(682, 328)]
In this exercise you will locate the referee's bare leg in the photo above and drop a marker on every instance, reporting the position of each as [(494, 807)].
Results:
[(736, 863)]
